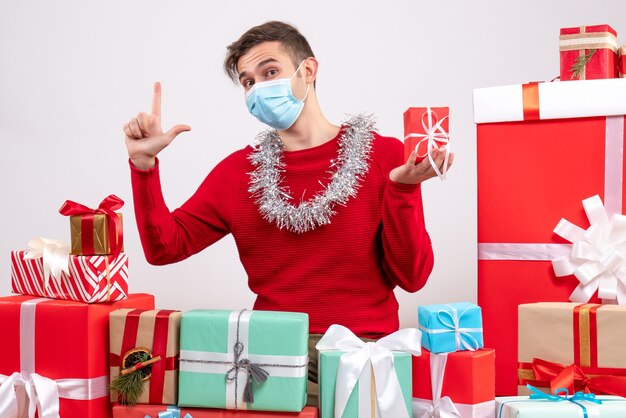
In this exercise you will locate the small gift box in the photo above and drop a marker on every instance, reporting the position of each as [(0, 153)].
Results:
[(425, 130), (461, 383), (588, 52), (95, 231), (163, 411), (145, 342), (55, 356), (254, 360), (364, 380), (572, 346), (48, 270), (560, 405), (451, 327)]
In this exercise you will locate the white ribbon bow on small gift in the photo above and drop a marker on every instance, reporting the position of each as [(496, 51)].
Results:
[(433, 134), (440, 407), (55, 257), (377, 355), (597, 256)]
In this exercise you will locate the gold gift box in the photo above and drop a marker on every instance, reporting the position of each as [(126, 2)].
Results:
[(100, 231)]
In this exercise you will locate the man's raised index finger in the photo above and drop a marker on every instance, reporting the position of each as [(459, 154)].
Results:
[(156, 99)]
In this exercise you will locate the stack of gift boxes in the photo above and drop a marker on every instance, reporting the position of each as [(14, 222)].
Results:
[(121, 358), (551, 237), (551, 193)]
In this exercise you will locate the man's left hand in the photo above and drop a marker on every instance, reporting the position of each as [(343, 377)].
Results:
[(411, 173)]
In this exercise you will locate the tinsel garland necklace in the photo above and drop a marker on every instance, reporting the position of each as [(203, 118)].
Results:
[(346, 173)]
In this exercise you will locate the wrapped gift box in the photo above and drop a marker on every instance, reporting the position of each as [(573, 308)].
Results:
[(95, 231), (91, 279), (533, 141), (523, 407), (156, 332), (214, 342), (62, 344), (466, 377), (354, 377), (553, 336), (588, 52), (451, 327), (422, 124), (162, 411)]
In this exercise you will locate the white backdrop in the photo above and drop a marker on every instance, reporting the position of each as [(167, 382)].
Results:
[(72, 72)]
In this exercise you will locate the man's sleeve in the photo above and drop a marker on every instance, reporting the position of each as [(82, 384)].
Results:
[(168, 237), (407, 250)]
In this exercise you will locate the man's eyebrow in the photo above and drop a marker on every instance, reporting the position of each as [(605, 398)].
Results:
[(260, 64)]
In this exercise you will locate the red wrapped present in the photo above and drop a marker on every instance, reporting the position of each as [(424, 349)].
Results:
[(462, 382), (55, 355), (588, 52), (426, 129), (622, 61), (154, 334), (579, 347), (164, 411), (88, 279), (542, 149), (95, 231)]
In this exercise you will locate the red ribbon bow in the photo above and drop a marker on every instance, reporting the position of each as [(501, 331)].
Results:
[(574, 379), (107, 207)]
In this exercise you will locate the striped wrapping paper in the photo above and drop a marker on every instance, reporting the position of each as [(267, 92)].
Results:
[(91, 279)]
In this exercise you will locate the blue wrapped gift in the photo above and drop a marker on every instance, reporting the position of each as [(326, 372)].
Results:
[(451, 327)]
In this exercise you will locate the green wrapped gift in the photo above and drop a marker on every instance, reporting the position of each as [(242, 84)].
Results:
[(248, 360), (354, 376)]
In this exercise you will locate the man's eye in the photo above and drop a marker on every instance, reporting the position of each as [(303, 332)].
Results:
[(271, 73), (248, 83)]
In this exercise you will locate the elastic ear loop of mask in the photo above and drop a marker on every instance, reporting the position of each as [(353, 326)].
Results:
[(307, 86)]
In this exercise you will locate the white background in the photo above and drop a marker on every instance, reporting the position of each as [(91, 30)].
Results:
[(73, 72)]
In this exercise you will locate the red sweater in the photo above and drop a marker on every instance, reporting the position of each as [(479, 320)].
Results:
[(341, 273)]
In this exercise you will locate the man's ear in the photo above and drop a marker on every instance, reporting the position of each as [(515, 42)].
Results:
[(310, 69)]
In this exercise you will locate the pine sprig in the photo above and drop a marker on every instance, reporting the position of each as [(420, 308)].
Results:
[(130, 386), (579, 66)]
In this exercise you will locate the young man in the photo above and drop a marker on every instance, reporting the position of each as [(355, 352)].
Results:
[(327, 219)]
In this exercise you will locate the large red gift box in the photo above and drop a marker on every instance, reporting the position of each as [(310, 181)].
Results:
[(542, 149), (54, 345), (91, 279), (591, 48), (468, 379), (152, 411)]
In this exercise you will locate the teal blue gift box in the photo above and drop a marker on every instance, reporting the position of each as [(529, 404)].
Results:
[(375, 371), (451, 327), (254, 360)]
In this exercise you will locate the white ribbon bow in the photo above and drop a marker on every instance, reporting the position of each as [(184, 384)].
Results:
[(38, 392), (434, 134), (597, 255), (376, 355), (441, 407), (55, 254)]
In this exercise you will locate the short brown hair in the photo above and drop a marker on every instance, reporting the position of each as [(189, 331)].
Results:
[(291, 39)]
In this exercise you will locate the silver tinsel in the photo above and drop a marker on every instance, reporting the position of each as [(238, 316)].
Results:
[(346, 173)]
